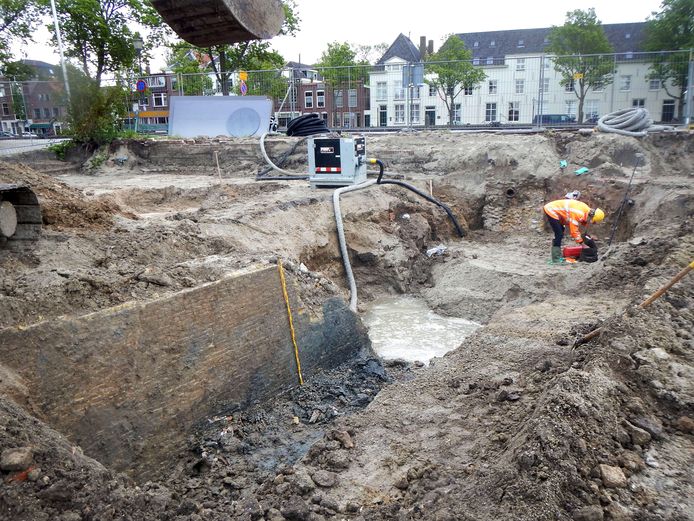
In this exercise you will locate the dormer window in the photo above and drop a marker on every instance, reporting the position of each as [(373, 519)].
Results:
[(492, 44), (476, 44), (627, 36), (521, 43), (490, 61), (546, 42)]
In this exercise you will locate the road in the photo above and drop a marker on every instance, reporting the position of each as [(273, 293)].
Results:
[(18, 146)]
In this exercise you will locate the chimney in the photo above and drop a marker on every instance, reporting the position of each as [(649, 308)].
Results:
[(430, 49), (422, 47)]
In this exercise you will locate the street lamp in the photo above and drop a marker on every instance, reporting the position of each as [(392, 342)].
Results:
[(139, 45)]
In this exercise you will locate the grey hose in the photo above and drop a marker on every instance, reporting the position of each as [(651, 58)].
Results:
[(630, 122), (341, 238)]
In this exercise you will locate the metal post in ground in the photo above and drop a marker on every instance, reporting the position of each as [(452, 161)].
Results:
[(690, 88), (540, 91)]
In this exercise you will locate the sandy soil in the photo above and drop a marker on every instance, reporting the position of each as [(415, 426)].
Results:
[(514, 424)]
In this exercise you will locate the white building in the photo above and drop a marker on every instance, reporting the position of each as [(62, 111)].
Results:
[(521, 82)]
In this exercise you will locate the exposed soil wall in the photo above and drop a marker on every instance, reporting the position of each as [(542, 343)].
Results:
[(128, 384)]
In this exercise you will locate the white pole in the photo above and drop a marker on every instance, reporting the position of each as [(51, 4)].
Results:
[(60, 49)]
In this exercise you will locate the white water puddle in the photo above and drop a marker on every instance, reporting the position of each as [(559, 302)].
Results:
[(404, 327)]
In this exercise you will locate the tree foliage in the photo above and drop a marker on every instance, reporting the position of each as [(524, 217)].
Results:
[(578, 46), (185, 61), (450, 71), (255, 55), (18, 18), (671, 29), (95, 113), (97, 32), (338, 65)]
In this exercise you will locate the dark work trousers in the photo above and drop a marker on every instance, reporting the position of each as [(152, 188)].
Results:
[(557, 228)]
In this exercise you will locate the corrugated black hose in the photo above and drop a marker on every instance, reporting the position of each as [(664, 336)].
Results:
[(426, 196)]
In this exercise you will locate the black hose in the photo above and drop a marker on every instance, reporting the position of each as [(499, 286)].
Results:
[(624, 202), (307, 125), (262, 175), (426, 196)]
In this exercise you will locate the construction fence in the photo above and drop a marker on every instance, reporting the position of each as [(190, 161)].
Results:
[(518, 90)]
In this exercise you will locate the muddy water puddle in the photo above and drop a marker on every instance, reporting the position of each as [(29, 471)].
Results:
[(404, 327)]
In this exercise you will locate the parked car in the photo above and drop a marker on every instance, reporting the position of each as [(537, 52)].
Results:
[(6, 133), (554, 119), (29, 134)]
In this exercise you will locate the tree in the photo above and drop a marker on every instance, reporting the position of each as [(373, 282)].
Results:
[(671, 29), (450, 71), (371, 53), (96, 32), (17, 20), (184, 60), (224, 59), (578, 46)]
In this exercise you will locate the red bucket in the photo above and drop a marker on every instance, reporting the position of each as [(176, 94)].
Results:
[(572, 251)]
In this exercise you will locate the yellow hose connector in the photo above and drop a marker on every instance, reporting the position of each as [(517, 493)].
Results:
[(291, 321)]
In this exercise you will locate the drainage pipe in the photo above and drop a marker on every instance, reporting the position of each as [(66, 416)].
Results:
[(341, 238), (635, 122)]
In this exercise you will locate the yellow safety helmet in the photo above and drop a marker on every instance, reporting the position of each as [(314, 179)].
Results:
[(598, 215)]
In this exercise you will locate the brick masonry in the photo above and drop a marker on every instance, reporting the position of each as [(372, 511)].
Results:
[(128, 384)]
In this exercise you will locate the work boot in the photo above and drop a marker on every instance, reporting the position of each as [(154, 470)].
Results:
[(556, 255)]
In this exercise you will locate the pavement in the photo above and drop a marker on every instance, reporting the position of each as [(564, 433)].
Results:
[(17, 146)]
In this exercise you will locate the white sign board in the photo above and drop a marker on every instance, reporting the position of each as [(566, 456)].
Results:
[(211, 116)]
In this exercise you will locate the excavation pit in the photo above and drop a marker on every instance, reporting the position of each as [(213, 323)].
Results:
[(513, 423)]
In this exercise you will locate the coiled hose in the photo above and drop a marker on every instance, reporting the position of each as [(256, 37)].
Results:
[(635, 122), (307, 125)]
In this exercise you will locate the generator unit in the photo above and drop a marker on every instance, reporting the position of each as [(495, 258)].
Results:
[(334, 162)]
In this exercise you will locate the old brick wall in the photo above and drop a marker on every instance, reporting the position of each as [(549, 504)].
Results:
[(128, 383)]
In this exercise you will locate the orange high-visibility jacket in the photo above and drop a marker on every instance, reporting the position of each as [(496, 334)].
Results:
[(571, 212)]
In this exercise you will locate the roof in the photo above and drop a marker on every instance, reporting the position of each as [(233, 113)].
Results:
[(403, 48), (498, 44)]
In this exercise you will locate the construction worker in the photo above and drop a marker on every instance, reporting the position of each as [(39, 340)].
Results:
[(572, 213)]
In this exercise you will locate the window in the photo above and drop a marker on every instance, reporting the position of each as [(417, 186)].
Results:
[(654, 84), (476, 61), (520, 64), (432, 90), (476, 44), (399, 113), (399, 91), (490, 112), (47, 113), (339, 99), (156, 81), (394, 68), (513, 111), (545, 85), (162, 121), (638, 102), (548, 63), (492, 86), (629, 55), (590, 109), (490, 60), (569, 87), (571, 107), (625, 82), (37, 113), (352, 98), (546, 41), (2, 92), (144, 101), (467, 91), (457, 114), (382, 90), (492, 43), (337, 120), (521, 44), (5, 109), (159, 99), (520, 86), (56, 112), (627, 36), (308, 99), (414, 113), (320, 98), (347, 120)]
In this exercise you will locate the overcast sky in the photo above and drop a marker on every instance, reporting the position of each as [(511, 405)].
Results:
[(376, 21)]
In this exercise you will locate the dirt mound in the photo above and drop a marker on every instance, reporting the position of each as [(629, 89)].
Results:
[(62, 207)]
